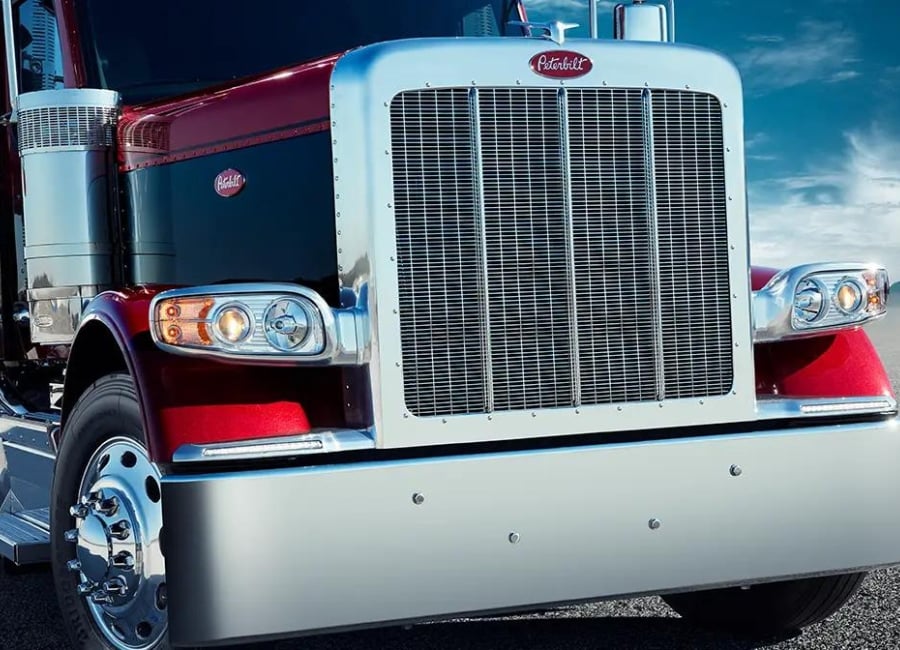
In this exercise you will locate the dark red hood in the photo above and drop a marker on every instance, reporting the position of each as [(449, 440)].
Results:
[(286, 103)]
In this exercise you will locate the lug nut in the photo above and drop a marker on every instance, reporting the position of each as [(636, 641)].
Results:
[(80, 511), (120, 530), (73, 565), (115, 587), (85, 588), (123, 560), (100, 598), (107, 507), (71, 535)]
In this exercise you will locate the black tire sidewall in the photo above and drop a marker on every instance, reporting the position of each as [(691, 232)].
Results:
[(108, 408)]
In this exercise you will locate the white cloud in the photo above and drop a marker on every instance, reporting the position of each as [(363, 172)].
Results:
[(848, 211), (820, 51), (764, 38), (843, 75)]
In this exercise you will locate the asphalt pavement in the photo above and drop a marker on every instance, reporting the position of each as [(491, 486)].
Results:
[(30, 619)]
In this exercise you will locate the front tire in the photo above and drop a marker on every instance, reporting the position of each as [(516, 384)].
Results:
[(105, 522), (767, 609)]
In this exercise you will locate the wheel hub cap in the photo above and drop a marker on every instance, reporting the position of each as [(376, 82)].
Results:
[(119, 561)]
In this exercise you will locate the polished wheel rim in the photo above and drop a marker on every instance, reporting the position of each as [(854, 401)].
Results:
[(119, 561)]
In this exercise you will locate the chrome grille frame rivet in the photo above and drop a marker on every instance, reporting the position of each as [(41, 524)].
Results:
[(514, 537), (654, 524), (418, 498), (735, 470)]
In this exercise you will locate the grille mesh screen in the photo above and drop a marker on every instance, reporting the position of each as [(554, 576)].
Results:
[(533, 270), (67, 126)]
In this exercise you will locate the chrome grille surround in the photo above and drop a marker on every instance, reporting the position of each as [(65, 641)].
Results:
[(372, 215), (560, 247)]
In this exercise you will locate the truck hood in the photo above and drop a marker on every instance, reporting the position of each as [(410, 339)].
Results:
[(282, 104)]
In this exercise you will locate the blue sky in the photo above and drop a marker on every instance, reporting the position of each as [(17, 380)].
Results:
[(822, 114)]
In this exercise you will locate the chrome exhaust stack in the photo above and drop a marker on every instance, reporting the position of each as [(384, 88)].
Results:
[(66, 144)]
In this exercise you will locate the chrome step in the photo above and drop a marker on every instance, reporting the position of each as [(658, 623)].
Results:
[(25, 536)]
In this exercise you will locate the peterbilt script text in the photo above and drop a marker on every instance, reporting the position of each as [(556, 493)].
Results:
[(561, 64)]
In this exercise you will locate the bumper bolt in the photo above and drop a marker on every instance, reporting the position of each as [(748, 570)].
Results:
[(514, 538), (654, 524), (735, 470), (418, 498), (71, 535), (73, 565)]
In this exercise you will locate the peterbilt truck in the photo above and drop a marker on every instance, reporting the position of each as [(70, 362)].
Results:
[(319, 316)]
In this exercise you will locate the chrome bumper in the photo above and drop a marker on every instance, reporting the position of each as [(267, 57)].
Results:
[(280, 552)]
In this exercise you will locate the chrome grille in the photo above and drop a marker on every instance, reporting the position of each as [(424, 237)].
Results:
[(559, 247)]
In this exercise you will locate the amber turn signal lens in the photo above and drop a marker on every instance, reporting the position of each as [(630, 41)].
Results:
[(180, 321)]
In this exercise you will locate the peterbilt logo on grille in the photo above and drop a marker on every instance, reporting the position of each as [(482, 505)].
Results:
[(229, 182), (561, 64)]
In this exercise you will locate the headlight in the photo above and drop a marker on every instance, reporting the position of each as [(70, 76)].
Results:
[(817, 298), (810, 302), (256, 323)]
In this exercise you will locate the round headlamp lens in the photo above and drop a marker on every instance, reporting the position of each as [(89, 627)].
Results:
[(233, 324), (286, 324), (849, 297), (809, 302)]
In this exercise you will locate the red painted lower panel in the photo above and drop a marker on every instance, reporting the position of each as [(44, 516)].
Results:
[(188, 399), (840, 365)]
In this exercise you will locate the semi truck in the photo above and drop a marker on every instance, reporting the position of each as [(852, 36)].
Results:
[(321, 316)]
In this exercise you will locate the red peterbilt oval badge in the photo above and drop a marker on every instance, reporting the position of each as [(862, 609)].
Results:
[(229, 182), (561, 64)]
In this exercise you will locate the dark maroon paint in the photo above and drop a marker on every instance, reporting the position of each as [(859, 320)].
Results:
[(275, 106)]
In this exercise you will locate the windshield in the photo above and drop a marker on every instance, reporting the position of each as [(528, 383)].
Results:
[(166, 48)]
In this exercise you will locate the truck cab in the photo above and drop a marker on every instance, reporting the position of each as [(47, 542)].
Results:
[(323, 316)]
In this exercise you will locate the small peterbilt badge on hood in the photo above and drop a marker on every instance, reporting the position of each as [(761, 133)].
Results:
[(561, 64), (229, 182)]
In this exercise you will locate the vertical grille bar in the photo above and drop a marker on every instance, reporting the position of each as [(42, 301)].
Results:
[(570, 244), (482, 233), (653, 222)]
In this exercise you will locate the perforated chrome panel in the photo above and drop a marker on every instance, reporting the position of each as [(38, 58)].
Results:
[(559, 247), (67, 126)]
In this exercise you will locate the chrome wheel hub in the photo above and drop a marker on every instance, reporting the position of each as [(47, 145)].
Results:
[(118, 558)]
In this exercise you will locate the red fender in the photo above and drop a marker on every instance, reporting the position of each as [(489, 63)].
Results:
[(197, 400), (845, 364)]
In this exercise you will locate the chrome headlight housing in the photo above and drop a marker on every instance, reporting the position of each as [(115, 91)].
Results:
[(814, 299), (258, 323)]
